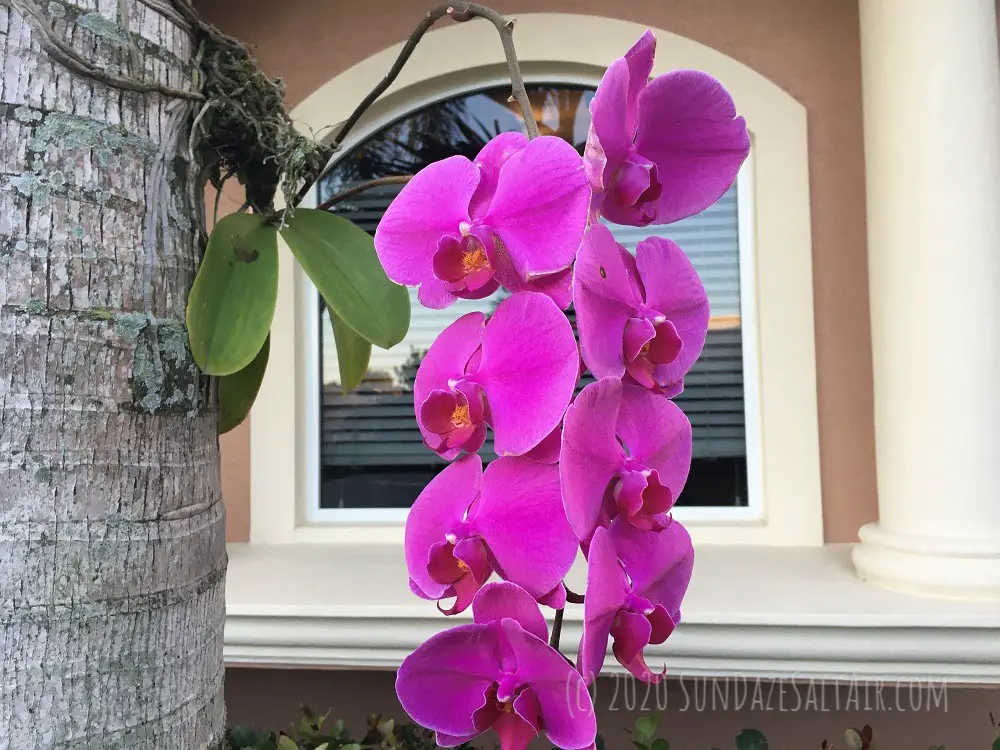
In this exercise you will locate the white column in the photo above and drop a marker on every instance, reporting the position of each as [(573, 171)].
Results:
[(931, 86)]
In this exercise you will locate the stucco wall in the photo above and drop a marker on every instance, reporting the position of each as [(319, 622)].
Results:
[(808, 47)]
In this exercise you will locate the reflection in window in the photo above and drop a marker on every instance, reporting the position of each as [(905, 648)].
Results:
[(372, 454)]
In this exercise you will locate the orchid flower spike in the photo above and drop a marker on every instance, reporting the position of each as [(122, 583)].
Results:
[(662, 150), (645, 317), (467, 523), (513, 217), (635, 583), (625, 452), (497, 672), (515, 372)]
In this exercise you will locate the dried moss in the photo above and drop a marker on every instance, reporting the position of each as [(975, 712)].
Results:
[(243, 130)]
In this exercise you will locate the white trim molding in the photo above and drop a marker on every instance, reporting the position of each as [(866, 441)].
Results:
[(751, 611), (775, 247)]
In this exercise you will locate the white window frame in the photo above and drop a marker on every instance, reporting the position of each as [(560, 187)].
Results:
[(782, 439)]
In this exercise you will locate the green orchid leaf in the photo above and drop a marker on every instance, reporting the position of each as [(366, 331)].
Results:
[(353, 354), (232, 300), (751, 739), (340, 259), (645, 728), (238, 391)]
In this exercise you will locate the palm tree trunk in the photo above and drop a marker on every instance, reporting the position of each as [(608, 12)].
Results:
[(112, 550)]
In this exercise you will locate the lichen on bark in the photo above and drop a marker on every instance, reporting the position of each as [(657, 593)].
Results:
[(112, 543)]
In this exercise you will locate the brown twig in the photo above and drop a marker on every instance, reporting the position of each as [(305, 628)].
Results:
[(556, 629), (572, 597), (363, 188), (459, 12), (72, 60)]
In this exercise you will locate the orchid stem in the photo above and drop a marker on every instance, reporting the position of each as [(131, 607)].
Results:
[(556, 629), (572, 597), (459, 12), (363, 188)]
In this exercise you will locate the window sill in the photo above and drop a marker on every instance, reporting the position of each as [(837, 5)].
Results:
[(756, 612)]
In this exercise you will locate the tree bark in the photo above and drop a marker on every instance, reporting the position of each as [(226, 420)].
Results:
[(112, 547)]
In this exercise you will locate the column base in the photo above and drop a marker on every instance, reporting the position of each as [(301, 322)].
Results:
[(931, 566)]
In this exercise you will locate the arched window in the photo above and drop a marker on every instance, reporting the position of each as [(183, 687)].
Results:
[(371, 452)]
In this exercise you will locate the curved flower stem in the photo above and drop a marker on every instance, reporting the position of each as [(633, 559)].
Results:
[(556, 629), (460, 11), (363, 188), (572, 597)]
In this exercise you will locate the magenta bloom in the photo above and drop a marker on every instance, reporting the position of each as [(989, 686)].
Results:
[(497, 672), (625, 452), (468, 523), (515, 372), (635, 583), (646, 316), (513, 217), (661, 150)]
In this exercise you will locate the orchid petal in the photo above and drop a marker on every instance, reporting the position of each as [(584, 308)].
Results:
[(445, 680), (520, 517), (556, 598), (547, 451), (558, 286), (453, 740), (674, 289), (689, 128), (567, 712), (472, 552), (434, 294), (528, 370), (659, 563), (513, 731), (437, 509), (590, 455), (503, 599), (661, 624), (607, 592), (428, 207), (526, 706), (604, 300), (490, 159), (657, 434), (539, 210), (610, 137), (631, 631), (445, 361), (640, 65)]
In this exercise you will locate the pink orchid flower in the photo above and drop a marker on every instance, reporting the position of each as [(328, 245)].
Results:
[(513, 217), (646, 316), (661, 150), (625, 452), (497, 672), (635, 583), (467, 523), (515, 372)]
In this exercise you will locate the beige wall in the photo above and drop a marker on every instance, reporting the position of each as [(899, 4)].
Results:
[(959, 719), (808, 47)]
